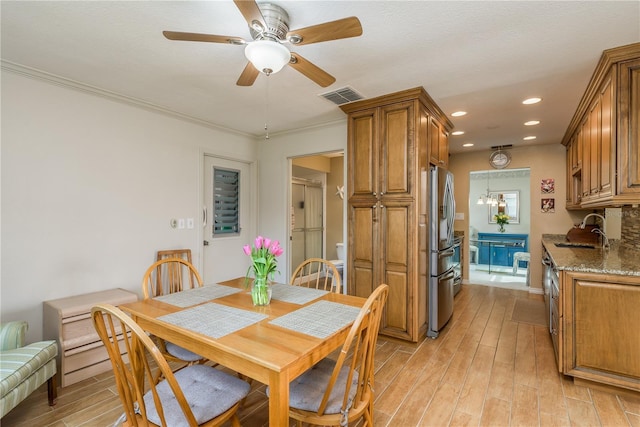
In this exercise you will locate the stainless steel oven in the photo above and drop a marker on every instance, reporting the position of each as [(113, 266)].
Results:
[(457, 266), (551, 288)]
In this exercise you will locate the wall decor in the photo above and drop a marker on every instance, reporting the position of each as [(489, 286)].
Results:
[(548, 186), (507, 202), (548, 205)]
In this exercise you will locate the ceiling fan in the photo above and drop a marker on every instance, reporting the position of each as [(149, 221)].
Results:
[(269, 27)]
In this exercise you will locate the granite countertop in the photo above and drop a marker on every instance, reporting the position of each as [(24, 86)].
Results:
[(615, 260)]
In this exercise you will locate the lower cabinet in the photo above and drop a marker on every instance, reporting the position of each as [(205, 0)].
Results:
[(601, 319)]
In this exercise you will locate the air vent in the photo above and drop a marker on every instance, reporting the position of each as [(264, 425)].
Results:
[(342, 95)]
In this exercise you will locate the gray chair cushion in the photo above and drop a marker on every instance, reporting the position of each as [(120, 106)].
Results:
[(181, 352), (306, 391), (209, 391)]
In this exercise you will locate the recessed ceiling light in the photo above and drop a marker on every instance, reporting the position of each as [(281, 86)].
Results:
[(458, 132), (529, 138), (468, 144), (532, 123), (531, 101), (459, 113)]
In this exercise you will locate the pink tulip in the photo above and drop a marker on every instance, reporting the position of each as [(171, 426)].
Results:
[(259, 241), (247, 249), (266, 242)]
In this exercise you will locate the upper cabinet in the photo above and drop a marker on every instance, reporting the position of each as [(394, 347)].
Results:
[(603, 138)]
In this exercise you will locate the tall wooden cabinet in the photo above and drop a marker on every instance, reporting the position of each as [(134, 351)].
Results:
[(390, 146), (603, 138)]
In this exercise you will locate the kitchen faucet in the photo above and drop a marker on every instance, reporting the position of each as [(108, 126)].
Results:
[(605, 239), (584, 221)]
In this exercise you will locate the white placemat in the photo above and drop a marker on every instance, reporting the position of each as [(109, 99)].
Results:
[(320, 319), (295, 294), (213, 320), (197, 295)]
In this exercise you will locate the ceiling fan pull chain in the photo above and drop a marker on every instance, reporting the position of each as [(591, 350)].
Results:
[(266, 109)]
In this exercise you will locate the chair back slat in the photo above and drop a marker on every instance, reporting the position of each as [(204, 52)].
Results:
[(360, 344), (317, 273), (167, 276), (133, 368)]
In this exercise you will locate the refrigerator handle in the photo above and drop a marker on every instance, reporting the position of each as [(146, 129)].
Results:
[(447, 276), (447, 253)]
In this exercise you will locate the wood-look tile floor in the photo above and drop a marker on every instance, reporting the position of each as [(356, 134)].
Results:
[(483, 370)]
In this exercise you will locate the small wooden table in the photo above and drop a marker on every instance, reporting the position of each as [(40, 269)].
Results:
[(271, 354)]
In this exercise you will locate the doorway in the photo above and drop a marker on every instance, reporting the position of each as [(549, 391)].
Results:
[(498, 252), (307, 221), (317, 207)]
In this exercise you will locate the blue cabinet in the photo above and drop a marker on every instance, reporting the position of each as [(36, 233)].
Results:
[(498, 248)]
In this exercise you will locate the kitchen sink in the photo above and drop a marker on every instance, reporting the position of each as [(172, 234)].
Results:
[(575, 245)]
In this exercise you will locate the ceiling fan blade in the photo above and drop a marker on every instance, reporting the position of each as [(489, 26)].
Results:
[(310, 70), (334, 30), (248, 76), (251, 13), (196, 37)]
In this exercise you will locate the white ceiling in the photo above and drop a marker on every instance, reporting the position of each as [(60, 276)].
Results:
[(480, 56)]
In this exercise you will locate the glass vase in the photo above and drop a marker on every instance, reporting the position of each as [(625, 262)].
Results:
[(502, 229), (260, 291)]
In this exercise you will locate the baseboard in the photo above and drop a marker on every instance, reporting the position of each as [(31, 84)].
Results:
[(536, 291)]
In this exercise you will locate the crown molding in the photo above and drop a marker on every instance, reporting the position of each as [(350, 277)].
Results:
[(33, 73), (500, 174)]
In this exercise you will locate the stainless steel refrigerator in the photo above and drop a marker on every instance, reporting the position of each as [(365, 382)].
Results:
[(442, 210)]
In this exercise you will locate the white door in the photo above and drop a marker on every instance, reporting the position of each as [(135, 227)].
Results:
[(223, 257)]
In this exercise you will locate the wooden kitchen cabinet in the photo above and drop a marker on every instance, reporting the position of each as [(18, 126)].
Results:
[(68, 321), (600, 320), (388, 155), (629, 127), (574, 174), (438, 144), (604, 136)]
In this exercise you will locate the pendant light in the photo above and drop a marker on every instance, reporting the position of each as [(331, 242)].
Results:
[(486, 198)]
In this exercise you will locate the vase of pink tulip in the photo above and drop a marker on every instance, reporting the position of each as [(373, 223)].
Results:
[(264, 264)]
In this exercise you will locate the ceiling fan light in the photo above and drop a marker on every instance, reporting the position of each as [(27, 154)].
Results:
[(267, 56)]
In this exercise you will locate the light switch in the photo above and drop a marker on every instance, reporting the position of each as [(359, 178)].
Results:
[(460, 216), (181, 223), (190, 223)]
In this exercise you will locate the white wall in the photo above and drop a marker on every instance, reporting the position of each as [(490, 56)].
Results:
[(274, 176), (88, 187)]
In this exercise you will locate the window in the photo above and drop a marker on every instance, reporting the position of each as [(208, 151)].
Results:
[(226, 202)]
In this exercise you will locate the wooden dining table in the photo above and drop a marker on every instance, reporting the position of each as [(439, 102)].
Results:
[(272, 344)]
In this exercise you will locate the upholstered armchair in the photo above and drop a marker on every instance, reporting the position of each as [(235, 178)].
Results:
[(24, 368)]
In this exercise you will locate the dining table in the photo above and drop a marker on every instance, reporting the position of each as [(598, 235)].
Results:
[(272, 344)]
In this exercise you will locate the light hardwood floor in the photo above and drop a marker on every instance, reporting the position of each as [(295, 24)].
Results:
[(483, 370)]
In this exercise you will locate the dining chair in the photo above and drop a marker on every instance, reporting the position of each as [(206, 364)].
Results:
[(170, 274), (164, 277), (339, 392), (198, 395), (317, 273), (174, 253)]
